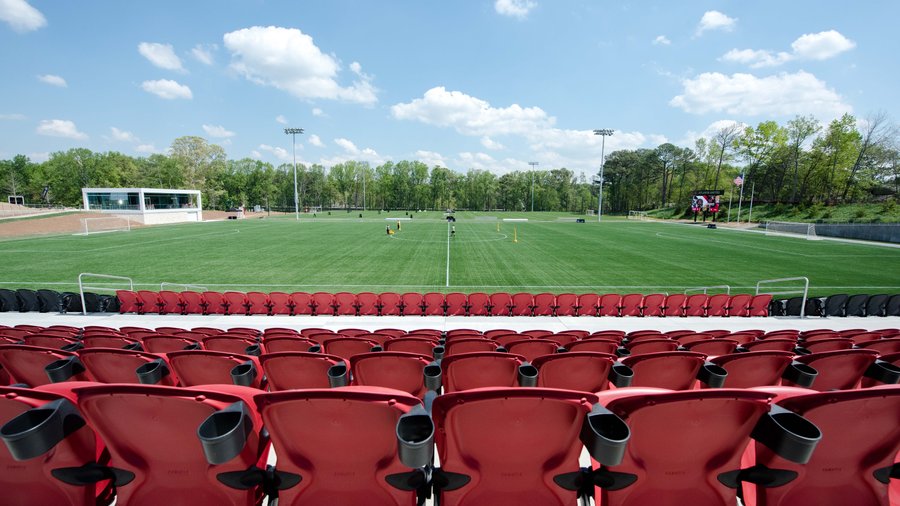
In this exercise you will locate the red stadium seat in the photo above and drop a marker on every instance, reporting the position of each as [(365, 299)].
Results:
[(566, 304), (392, 304), (108, 365), (457, 304), (713, 347), (492, 333), (367, 304), (293, 370), (653, 305), (838, 370), (433, 303), (112, 341), (236, 303), (302, 303), (420, 345), (215, 303), (757, 368), (170, 302), (586, 371), (771, 345), (589, 303), (170, 330), (288, 343), (345, 304), (466, 371), (505, 339), (194, 303), (129, 301), (203, 367), (280, 303), (532, 348), (840, 343), (233, 343), (631, 304), (258, 303), (717, 305), (695, 305), (35, 366), (759, 304), (643, 346), (324, 304), (739, 305), (469, 345), (523, 304), (675, 370), (408, 372), (882, 346), (610, 304), (150, 302), (501, 303), (478, 304), (346, 347), (544, 304), (47, 341), (593, 345), (167, 343), (674, 305)]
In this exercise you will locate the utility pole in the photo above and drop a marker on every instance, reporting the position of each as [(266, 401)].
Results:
[(533, 165), (602, 132), (293, 133)]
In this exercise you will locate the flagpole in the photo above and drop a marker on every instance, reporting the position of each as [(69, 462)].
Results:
[(740, 198), (752, 189)]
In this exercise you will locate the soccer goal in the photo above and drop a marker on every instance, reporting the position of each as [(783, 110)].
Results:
[(106, 224), (638, 215), (792, 229)]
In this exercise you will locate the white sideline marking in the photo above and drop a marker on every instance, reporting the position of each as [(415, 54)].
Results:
[(516, 219)]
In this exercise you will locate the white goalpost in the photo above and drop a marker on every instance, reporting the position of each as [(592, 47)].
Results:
[(638, 215), (792, 229), (106, 224)]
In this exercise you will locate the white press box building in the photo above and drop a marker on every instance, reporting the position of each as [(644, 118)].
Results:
[(150, 206)]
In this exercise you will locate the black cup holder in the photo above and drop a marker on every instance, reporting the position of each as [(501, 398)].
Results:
[(244, 374), (36, 431), (528, 375), (622, 351), (562, 349), (77, 345), (338, 375), (254, 350), (224, 433), (438, 352), (192, 347), (316, 348), (605, 436), (432, 373), (800, 374), (712, 375), (377, 348), (63, 369), (152, 373), (787, 434), (501, 349), (415, 438), (135, 346), (620, 375), (883, 372)]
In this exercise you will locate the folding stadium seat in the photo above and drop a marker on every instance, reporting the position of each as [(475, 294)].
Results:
[(686, 447), (112, 341), (774, 344), (392, 332), (781, 334), (653, 305), (431, 332), (674, 305), (154, 453), (129, 301), (280, 303), (892, 308), (836, 305), (862, 337), (882, 346), (28, 300), (820, 345), (492, 333), (280, 331), (324, 304), (378, 338), (817, 334), (293, 370), (169, 330), (654, 334), (501, 304), (233, 343), (456, 303), (462, 332), (236, 303), (362, 422), (586, 371), (684, 339), (695, 305), (651, 346), (885, 371), (631, 304), (35, 366), (215, 303), (851, 332), (345, 304), (470, 345), (563, 338), (258, 303), (367, 304), (539, 333), (478, 304), (712, 347), (717, 305), (588, 304), (466, 371), (505, 339), (302, 303), (292, 343), (414, 304), (537, 433), (593, 345), (108, 365), (311, 331), (763, 368), (149, 301), (391, 304), (838, 370), (861, 436), (717, 333), (26, 479), (675, 370), (194, 303), (544, 304), (420, 345), (532, 348), (856, 305), (8, 300), (566, 304), (166, 344), (346, 347), (877, 305), (759, 305), (170, 302), (408, 372), (50, 341), (204, 367)]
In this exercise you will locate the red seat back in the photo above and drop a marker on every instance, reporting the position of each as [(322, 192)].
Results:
[(215, 303), (323, 303), (482, 369), (653, 305), (675, 370), (631, 304), (478, 304), (171, 302), (469, 345), (501, 302), (391, 369), (302, 303), (457, 304), (258, 303), (346, 347), (674, 305), (345, 304), (566, 304), (166, 343), (610, 304), (26, 364), (109, 365), (128, 301), (203, 367), (695, 305), (367, 303), (280, 344), (838, 370), (739, 305), (544, 304), (522, 304), (532, 348), (434, 304), (717, 305), (391, 303), (194, 302), (149, 301), (280, 303), (295, 370), (759, 304), (754, 369), (586, 371)]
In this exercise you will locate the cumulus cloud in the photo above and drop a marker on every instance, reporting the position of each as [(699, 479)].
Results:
[(279, 153), (203, 53), (514, 8), (146, 148), (316, 141), (661, 40), (167, 89), (21, 16), (122, 135), (491, 143), (715, 20), (783, 94), (709, 132), (281, 119), (53, 80), (317, 112), (430, 158), (39, 157), (161, 55), (347, 145), (289, 60), (12, 117), (217, 131), (60, 128), (810, 46)]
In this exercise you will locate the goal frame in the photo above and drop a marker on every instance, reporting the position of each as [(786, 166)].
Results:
[(809, 234), (86, 229)]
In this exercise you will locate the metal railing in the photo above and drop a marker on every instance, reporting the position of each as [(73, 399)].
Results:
[(727, 289), (197, 288), (82, 286), (804, 291)]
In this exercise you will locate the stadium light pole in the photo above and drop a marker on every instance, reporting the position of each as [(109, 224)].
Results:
[(293, 133), (603, 132), (533, 165)]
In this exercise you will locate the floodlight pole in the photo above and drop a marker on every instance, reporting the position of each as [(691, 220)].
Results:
[(293, 133), (533, 165), (603, 132)]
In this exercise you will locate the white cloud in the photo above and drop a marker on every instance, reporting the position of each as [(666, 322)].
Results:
[(780, 95), (317, 112), (12, 117), (203, 53), (491, 143), (347, 145), (122, 135), (146, 148), (661, 40), (316, 141), (256, 154), (21, 16), (60, 128), (810, 46), (161, 55), (289, 60), (514, 8), (715, 20), (39, 157), (822, 45), (217, 131), (53, 80), (709, 132), (167, 89), (279, 153), (430, 158), (281, 119)]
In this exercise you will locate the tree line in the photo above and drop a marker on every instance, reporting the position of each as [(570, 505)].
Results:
[(801, 162)]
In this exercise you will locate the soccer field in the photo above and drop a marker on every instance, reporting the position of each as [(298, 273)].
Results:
[(552, 253)]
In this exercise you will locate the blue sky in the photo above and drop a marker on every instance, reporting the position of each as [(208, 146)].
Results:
[(488, 84)]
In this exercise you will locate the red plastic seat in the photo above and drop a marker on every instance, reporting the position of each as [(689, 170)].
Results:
[(194, 303), (759, 305), (586, 371), (674, 305), (420, 345), (233, 343), (314, 431), (129, 301), (481, 369), (713, 347), (294, 370), (544, 304), (236, 303), (840, 343), (469, 345), (838, 370), (771, 345), (653, 305), (885, 362), (599, 345), (280, 344), (478, 304), (651, 346), (324, 304), (278, 303), (258, 303), (170, 330), (695, 305), (609, 304), (150, 302), (532, 348), (170, 302), (152, 432), (675, 370), (739, 305), (631, 304), (108, 365), (882, 346), (346, 347), (345, 304), (112, 341), (754, 369), (457, 303), (367, 304), (167, 343), (397, 370), (522, 304), (413, 303), (433, 303), (302, 303), (204, 367), (30, 364), (501, 304), (717, 305), (45, 341), (215, 303), (566, 304), (391, 304), (505, 339)]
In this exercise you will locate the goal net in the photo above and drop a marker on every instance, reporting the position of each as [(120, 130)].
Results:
[(792, 229), (102, 225), (638, 215)]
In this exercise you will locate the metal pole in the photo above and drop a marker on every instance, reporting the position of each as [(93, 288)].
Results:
[(741, 198), (364, 190), (752, 189), (293, 133), (603, 132), (533, 165)]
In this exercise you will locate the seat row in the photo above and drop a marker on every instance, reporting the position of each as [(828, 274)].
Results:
[(839, 305), (85, 443), (439, 304)]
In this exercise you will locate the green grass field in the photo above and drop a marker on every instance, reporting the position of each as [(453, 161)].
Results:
[(341, 252)]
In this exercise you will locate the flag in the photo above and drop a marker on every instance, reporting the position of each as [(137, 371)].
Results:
[(738, 181)]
